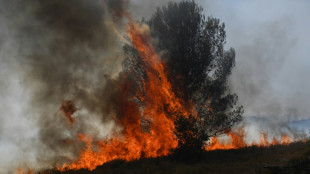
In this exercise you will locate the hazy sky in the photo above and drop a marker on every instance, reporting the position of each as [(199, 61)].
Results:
[(271, 39)]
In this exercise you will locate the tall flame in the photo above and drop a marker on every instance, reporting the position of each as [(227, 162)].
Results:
[(133, 143)]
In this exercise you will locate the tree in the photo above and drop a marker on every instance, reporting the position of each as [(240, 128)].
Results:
[(198, 67)]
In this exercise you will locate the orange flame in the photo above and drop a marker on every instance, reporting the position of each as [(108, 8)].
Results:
[(21, 171), (133, 143), (237, 140)]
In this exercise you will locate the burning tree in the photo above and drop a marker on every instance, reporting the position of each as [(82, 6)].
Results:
[(172, 92), (197, 67)]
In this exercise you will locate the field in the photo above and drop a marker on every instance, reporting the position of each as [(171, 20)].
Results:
[(294, 158)]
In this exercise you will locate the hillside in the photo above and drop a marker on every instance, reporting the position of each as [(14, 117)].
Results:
[(294, 158)]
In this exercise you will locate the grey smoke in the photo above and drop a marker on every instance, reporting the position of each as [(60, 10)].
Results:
[(271, 39), (53, 51), (68, 50)]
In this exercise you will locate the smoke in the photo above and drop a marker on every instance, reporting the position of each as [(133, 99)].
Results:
[(51, 52), (56, 51), (259, 64), (270, 39), (145, 9)]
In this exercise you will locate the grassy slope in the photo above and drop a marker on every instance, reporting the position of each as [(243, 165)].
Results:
[(275, 159)]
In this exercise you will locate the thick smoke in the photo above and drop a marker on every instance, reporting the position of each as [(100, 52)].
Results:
[(54, 52), (70, 50), (145, 9)]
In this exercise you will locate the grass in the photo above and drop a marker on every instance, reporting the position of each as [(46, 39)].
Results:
[(294, 158)]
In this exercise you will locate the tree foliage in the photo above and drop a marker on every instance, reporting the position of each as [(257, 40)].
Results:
[(198, 67)]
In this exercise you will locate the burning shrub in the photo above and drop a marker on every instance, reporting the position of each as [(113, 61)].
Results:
[(174, 100), (197, 66)]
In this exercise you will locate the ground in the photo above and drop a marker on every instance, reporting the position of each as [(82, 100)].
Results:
[(294, 158)]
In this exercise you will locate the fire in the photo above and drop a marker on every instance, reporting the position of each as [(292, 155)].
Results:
[(159, 111), (134, 143), (21, 171), (263, 140), (237, 140)]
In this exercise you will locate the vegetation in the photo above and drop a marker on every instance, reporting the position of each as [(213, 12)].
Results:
[(293, 158), (198, 67)]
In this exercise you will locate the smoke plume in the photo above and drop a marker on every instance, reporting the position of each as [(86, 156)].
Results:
[(55, 52)]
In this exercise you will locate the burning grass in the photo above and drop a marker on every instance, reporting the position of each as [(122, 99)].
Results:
[(237, 139), (156, 102), (252, 159), (168, 97)]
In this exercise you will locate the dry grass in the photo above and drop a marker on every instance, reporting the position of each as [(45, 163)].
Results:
[(275, 159)]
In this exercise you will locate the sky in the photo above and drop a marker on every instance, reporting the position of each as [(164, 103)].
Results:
[(271, 75), (271, 39)]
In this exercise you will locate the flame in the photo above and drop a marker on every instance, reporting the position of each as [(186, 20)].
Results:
[(161, 109), (21, 171), (134, 143), (237, 140)]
